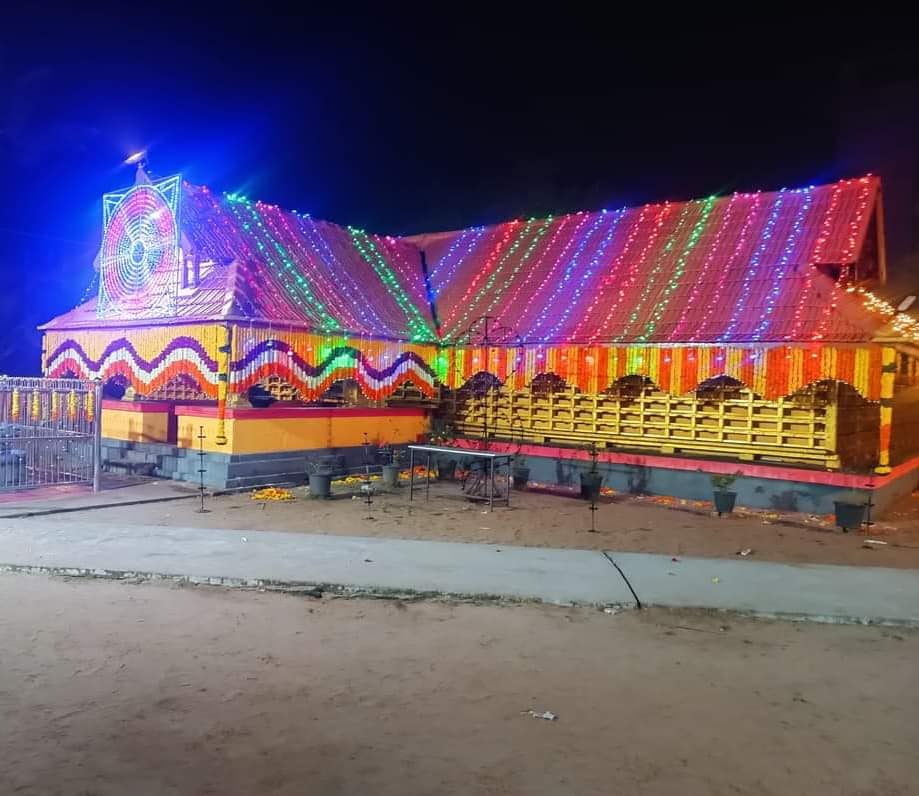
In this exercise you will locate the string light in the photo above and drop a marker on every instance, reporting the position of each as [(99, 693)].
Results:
[(658, 262), (848, 254), (331, 265), (326, 291), (635, 268), (679, 267), (419, 329), (631, 272), (511, 301), (713, 250), (498, 252), (550, 303), (446, 267), (524, 258), (342, 275), (407, 270), (536, 295), (586, 276), (727, 268), (780, 270), (816, 256), (752, 270), (610, 278), (298, 288), (232, 235), (902, 324)]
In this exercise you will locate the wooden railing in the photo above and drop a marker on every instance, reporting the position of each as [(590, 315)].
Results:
[(736, 424)]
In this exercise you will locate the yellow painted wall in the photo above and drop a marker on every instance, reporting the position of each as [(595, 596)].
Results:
[(276, 435), (188, 428), (134, 426)]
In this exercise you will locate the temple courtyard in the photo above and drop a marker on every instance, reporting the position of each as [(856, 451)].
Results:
[(433, 646), (112, 688), (536, 518)]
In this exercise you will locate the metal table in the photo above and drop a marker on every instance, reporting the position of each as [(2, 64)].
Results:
[(493, 460)]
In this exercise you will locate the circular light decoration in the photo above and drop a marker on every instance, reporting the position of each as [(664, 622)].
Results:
[(140, 249)]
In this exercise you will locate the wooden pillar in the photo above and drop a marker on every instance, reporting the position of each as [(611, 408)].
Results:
[(888, 376), (831, 426), (223, 381), (881, 239)]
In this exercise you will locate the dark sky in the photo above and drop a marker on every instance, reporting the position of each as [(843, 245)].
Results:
[(413, 125)]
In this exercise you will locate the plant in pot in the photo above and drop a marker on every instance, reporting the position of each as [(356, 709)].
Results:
[(850, 510), (592, 478), (392, 463), (722, 495), (442, 436), (520, 473), (320, 475)]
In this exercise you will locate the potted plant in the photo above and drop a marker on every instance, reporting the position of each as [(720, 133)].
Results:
[(446, 468), (722, 495), (850, 510), (392, 464), (591, 479), (520, 473), (320, 475), (442, 436)]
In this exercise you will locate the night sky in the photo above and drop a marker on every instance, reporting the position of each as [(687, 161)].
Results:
[(419, 125)]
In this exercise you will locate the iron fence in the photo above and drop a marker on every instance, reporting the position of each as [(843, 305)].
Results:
[(50, 432)]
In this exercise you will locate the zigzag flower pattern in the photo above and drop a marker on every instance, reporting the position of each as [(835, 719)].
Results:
[(277, 358), (186, 356), (183, 356)]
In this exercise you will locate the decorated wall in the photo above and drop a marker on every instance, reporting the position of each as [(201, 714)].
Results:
[(146, 357), (150, 357), (770, 372), (312, 362)]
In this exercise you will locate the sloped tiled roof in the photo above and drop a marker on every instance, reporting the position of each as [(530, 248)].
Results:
[(742, 268), (274, 266)]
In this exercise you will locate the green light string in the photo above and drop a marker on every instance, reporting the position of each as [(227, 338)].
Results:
[(680, 267), (655, 271), (494, 250), (618, 285), (510, 305), (520, 263), (441, 367), (326, 322), (419, 329), (331, 295), (498, 267)]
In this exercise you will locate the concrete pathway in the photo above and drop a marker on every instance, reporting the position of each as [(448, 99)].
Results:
[(376, 565), (68, 498), (821, 592), (396, 566)]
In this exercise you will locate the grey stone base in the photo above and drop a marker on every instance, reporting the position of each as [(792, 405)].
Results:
[(226, 471), (765, 493)]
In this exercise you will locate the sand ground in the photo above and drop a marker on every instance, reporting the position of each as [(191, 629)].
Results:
[(548, 520), (114, 688)]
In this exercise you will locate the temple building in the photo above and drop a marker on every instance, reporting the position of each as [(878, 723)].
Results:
[(740, 333)]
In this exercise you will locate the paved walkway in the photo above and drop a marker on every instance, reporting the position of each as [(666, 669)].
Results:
[(66, 498), (386, 566)]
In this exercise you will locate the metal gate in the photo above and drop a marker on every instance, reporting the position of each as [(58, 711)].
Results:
[(50, 432)]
